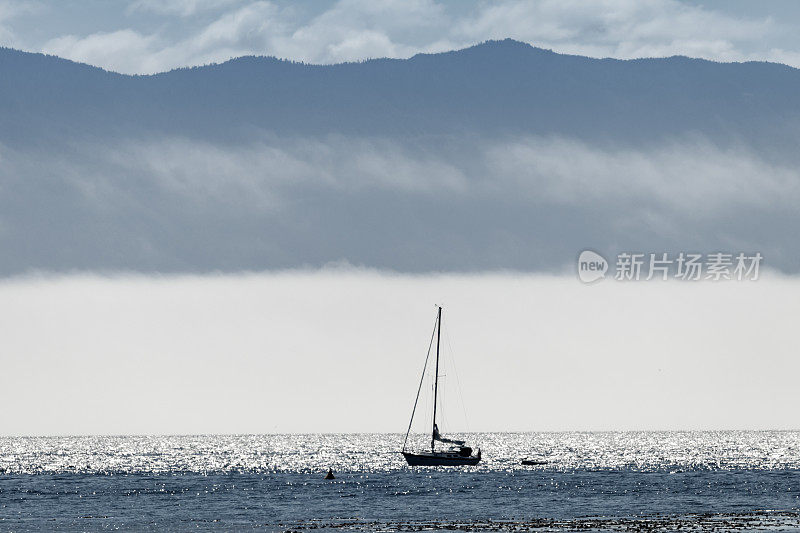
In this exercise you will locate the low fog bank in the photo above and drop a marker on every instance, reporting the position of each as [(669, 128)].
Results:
[(340, 350), (464, 204)]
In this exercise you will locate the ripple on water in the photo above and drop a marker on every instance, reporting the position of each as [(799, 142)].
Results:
[(563, 451)]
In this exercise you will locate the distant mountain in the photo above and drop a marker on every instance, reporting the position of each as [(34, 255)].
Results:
[(92, 172), (495, 87)]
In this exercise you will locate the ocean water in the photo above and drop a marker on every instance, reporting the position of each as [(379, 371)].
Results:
[(600, 481)]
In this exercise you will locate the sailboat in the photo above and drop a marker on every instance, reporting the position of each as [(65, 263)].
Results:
[(457, 453)]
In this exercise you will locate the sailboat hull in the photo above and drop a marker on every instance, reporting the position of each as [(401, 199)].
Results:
[(440, 459)]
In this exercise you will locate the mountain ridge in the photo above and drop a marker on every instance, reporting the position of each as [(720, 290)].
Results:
[(484, 44), (494, 88)]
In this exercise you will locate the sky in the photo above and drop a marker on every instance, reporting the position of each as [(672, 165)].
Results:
[(147, 36), (339, 348)]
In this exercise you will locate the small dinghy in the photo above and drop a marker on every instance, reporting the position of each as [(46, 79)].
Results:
[(458, 453), (534, 462)]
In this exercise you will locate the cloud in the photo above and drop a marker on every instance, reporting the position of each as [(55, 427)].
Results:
[(352, 30), (356, 339), (687, 176), (10, 10), (241, 31), (691, 177), (618, 28), (259, 174), (183, 8), (111, 50), (527, 203)]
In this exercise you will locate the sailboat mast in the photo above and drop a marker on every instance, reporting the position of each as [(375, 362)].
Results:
[(436, 379)]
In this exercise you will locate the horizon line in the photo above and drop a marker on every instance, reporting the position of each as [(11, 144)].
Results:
[(398, 433)]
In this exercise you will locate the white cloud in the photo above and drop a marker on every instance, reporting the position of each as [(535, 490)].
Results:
[(121, 51), (184, 8), (688, 189), (356, 341), (176, 204), (357, 29), (779, 55), (262, 174), (9, 10), (690, 176), (622, 29), (351, 30), (248, 23)]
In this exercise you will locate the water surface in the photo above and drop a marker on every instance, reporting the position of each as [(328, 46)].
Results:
[(699, 480)]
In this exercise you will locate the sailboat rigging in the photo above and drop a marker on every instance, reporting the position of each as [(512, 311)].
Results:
[(458, 453)]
